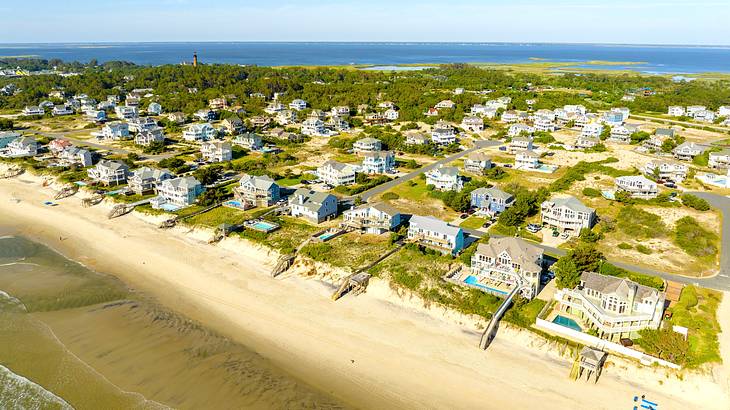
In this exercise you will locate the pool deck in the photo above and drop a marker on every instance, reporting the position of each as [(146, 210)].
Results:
[(493, 288)]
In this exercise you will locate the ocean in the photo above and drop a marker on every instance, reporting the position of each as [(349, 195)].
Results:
[(654, 59)]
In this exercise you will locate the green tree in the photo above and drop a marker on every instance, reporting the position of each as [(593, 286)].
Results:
[(566, 273)]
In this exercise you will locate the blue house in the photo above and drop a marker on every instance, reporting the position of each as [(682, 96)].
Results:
[(491, 200)]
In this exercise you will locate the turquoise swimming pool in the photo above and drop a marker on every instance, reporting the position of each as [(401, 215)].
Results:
[(325, 236), (264, 226), (474, 281), (567, 322)]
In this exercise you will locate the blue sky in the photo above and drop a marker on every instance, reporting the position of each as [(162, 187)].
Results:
[(587, 21)]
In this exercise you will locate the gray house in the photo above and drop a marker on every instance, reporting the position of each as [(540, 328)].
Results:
[(313, 206), (257, 191)]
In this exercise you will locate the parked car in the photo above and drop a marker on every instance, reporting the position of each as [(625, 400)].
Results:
[(503, 148), (533, 228), (463, 216), (670, 185), (508, 165), (487, 224)]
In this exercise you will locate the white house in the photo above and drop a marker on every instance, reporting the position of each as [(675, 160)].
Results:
[(688, 150), (519, 144), (693, 109), (335, 173), (368, 144), (298, 105), (445, 179), (416, 139), (249, 141), (527, 159), (638, 186), (472, 124), (676, 111), (178, 192), (592, 130), (435, 234), (544, 124), (154, 108), (704, 116), (719, 159), (315, 207), (373, 219), (124, 112), (443, 134), (510, 117), (391, 114), (448, 104), (147, 179), (587, 141), (313, 127), (567, 214), (139, 124), (109, 172), (257, 191), (723, 111), (614, 307), (33, 110), (21, 147), (216, 151), (74, 155), (517, 130), (667, 170), (147, 137), (341, 111), (477, 162), (622, 133), (378, 162), (199, 132), (115, 131), (60, 110)]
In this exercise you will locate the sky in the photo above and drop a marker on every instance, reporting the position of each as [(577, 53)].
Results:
[(701, 22)]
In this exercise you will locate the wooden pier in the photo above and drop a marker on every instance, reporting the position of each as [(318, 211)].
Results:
[(66, 192), (285, 262), (95, 199)]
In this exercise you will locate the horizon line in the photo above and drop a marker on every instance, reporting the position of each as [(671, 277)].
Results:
[(363, 42)]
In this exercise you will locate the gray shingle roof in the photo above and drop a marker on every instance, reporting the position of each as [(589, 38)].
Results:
[(430, 223), (521, 252)]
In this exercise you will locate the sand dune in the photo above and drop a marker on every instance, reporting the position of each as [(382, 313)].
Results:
[(372, 351)]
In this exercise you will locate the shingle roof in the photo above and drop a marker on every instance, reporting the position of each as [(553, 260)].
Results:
[(614, 285), (571, 203), (430, 223), (520, 251)]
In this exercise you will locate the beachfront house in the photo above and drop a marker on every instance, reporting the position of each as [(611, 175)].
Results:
[(379, 162), (373, 219), (477, 162), (688, 150), (527, 159), (472, 124), (704, 116), (445, 179), (109, 173), (368, 144), (177, 193), (719, 159), (126, 112), (491, 201), (510, 117), (199, 132), (315, 207), (667, 170), (145, 180), (637, 186), (567, 215), (61, 110), (435, 234), (335, 173), (216, 151), (613, 307), (71, 155), (115, 131), (505, 263), (250, 141), (257, 191), (518, 144), (544, 124), (21, 147)]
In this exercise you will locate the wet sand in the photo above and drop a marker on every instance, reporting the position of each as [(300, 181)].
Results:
[(373, 351)]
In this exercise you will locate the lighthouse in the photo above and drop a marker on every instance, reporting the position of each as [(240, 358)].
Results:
[(195, 59)]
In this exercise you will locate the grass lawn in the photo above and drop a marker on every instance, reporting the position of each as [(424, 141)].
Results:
[(291, 234), (415, 199), (473, 222), (499, 229), (224, 215), (351, 250)]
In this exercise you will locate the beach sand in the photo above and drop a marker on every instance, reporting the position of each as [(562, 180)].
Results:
[(378, 350)]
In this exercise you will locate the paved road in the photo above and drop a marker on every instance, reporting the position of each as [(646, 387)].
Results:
[(414, 174), (721, 281)]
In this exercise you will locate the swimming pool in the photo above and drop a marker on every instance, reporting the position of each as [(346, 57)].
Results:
[(264, 226), (567, 322), (326, 236), (472, 280), (169, 207)]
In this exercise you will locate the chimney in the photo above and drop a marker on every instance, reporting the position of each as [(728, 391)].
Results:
[(195, 59)]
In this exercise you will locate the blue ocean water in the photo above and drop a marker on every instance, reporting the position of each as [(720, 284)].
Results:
[(659, 59)]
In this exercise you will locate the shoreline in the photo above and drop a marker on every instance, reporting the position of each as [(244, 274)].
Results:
[(355, 349)]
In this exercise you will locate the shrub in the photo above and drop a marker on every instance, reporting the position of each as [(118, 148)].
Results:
[(643, 249), (591, 192), (638, 223), (390, 196), (695, 202), (624, 245), (694, 239)]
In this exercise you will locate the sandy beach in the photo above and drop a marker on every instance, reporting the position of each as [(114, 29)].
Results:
[(378, 350)]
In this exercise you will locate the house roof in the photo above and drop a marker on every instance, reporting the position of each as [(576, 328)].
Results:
[(571, 203), (432, 224), (339, 166), (493, 193), (451, 171), (186, 182), (614, 285), (115, 165), (520, 251), (263, 182), (368, 140), (150, 173), (312, 200), (478, 156)]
